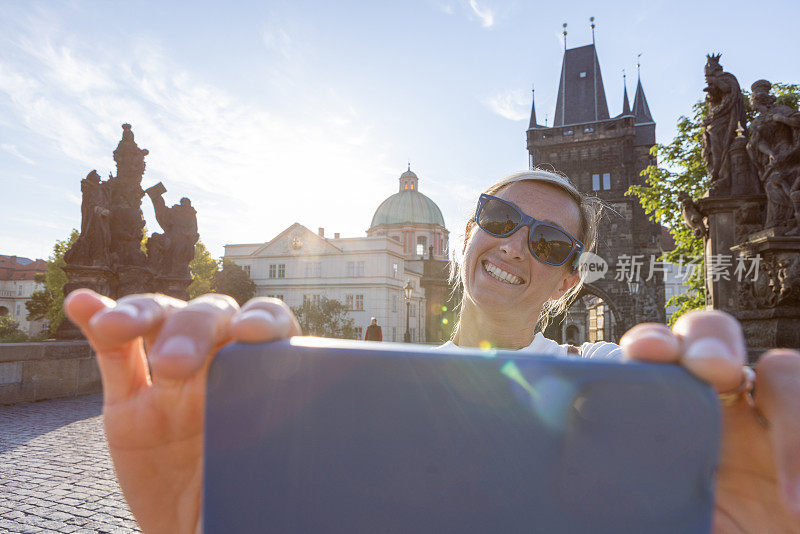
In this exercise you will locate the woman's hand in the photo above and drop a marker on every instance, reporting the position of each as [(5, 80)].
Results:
[(153, 414), (758, 482)]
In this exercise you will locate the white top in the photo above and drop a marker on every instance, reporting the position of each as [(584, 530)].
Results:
[(542, 345)]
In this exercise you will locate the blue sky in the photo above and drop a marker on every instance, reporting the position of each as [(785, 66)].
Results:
[(269, 113)]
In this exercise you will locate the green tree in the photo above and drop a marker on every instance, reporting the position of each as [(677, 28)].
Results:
[(9, 330), (203, 268), (47, 303), (326, 318), (681, 168), (234, 281)]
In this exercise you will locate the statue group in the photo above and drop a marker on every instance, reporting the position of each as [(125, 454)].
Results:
[(108, 256), (752, 208)]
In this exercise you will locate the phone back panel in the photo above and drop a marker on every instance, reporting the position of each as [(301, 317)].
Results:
[(313, 435)]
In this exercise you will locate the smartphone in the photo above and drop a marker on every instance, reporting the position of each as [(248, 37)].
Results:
[(322, 435)]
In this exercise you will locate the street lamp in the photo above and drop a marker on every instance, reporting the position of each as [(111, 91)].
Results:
[(408, 289)]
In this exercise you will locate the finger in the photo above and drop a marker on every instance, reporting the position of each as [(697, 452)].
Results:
[(190, 336), (114, 330), (132, 317), (778, 399), (264, 319), (651, 342), (713, 348)]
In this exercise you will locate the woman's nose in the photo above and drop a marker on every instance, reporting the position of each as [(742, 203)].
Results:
[(515, 245)]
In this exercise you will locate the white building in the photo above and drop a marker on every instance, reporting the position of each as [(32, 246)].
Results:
[(367, 274), (16, 287)]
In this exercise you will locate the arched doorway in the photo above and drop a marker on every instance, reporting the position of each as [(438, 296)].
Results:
[(592, 317)]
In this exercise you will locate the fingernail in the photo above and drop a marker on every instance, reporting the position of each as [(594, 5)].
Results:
[(178, 346), (256, 314), (792, 492), (137, 314), (708, 347), (655, 335), (127, 309)]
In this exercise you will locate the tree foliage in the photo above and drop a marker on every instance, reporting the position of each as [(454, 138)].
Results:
[(202, 268), (681, 168), (234, 281), (48, 303), (9, 330), (326, 318)]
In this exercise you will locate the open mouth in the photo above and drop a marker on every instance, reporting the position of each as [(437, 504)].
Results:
[(499, 274)]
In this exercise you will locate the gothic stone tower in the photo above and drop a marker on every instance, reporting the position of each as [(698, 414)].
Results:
[(603, 156)]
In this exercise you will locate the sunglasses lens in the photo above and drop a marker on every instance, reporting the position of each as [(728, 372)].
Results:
[(498, 218), (550, 244)]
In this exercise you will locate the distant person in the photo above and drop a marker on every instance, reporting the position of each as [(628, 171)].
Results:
[(374, 332)]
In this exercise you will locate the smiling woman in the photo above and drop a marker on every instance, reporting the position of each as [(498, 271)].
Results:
[(518, 265)]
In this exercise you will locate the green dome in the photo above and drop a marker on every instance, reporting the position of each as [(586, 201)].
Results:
[(407, 207)]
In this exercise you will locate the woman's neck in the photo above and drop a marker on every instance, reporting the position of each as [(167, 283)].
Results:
[(511, 331)]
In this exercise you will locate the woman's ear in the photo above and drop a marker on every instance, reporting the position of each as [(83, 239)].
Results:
[(568, 282)]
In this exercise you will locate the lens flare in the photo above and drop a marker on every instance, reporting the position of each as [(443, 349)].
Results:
[(445, 321), (444, 308), (484, 345)]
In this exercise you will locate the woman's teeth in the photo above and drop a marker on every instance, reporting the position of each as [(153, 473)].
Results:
[(498, 273)]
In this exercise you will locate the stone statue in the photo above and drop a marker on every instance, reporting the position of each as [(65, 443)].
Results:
[(774, 147), (92, 246), (726, 113), (127, 223), (170, 253), (692, 216)]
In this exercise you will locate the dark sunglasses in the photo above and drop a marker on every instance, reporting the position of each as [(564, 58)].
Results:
[(547, 242)]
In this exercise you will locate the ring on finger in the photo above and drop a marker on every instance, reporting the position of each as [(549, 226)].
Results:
[(744, 391)]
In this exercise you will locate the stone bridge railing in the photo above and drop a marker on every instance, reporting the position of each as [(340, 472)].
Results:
[(47, 370)]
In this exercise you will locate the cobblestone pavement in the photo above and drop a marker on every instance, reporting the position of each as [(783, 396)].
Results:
[(55, 472)]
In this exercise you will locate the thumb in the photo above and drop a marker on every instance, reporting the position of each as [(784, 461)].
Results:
[(778, 399)]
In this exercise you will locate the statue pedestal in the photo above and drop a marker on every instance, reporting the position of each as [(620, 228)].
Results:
[(172, 286), (729, 221), (99, 279), (133, 279), (769, 305)]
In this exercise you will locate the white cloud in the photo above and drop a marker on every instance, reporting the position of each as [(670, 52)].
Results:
[(513, 104), (11, 149), (250, 169), (485, 14)]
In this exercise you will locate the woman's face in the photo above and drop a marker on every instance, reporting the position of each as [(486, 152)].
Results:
[(501, 274)]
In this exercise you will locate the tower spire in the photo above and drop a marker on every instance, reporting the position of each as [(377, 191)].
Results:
[(626, 106), (591, 23), (563, 75), (533, 123), (639, 66), (564, 33)]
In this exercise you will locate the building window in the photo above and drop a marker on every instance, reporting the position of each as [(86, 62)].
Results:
[(314, 269), (394, 303), (412, 310), (279, 297), (282, 270), (315, 300), (422, 243), (395, 271), (582, 74), (19, 291), (246, 269), (18, 310), (355, 268), (273, 269), (413, 332), (359, 302), (348, 302), (306, 299), (601, 182), (394, 333), (359, 333), (569, 132)]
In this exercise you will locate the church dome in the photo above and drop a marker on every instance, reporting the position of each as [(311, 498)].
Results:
[(408, 206)]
